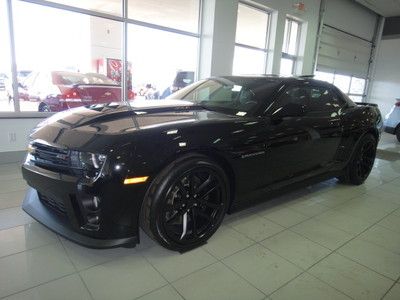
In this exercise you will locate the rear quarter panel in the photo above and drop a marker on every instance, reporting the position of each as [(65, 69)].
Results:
[(357, 121)]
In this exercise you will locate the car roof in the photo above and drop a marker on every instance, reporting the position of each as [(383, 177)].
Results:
[(283, 79)]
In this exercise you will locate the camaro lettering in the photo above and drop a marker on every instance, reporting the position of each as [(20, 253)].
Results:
[(252, 154)]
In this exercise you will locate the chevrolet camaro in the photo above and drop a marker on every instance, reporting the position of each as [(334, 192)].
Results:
[(175, 167)]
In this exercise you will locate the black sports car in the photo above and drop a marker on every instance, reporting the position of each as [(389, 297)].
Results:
[(176, 167)]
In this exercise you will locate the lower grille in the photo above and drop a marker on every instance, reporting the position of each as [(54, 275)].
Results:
[(58, 206)]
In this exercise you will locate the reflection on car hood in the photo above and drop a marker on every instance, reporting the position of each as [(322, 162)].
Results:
[(119, 118)]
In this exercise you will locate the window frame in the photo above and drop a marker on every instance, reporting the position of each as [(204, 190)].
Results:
[(123, 19), (332, 93), (266, 49), (277, 102), (285, 48), (347, 93)]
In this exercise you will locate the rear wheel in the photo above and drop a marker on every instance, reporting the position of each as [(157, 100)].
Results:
[(361, 162), (186, 203), (398, 133)]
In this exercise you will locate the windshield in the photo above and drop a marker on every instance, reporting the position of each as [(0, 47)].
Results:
[(233, 95)]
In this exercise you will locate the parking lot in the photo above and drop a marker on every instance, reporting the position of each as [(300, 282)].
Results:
[(7, 106)]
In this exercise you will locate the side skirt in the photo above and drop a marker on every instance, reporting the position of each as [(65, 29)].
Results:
[(265, 194)]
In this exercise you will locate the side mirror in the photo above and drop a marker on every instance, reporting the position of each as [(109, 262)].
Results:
[(289, 110)]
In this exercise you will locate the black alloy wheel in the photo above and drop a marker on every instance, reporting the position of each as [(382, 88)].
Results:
[(186, 204), (362, 161), (365, 159), (193, 205)]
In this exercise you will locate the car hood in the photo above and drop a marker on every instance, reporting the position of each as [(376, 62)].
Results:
[(76, 128)]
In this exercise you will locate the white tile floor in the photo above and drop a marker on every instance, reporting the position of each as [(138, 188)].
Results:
[(326, 241)]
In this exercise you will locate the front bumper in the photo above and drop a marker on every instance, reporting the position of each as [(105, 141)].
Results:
[(58, 202), (37, 210)]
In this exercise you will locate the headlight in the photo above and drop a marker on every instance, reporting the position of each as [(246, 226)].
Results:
[(91, 163)]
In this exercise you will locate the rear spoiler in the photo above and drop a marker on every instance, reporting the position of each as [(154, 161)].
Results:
[(366, 104)]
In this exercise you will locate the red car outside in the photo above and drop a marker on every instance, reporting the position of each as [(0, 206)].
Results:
[(61, 90)]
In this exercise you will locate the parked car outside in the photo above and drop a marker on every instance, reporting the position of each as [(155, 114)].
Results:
[(61, 90), (181, 80), (392, 120), (175, 167), (21, 77)]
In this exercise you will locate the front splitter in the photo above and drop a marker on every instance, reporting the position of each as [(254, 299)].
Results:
[(35, 208)]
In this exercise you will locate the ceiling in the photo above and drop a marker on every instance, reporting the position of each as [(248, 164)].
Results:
[(386, 8)]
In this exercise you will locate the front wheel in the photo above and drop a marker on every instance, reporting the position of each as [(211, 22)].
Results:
[(186, 203), (361, 162), (398, 133)]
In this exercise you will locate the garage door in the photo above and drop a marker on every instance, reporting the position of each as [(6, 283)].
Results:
[(343, 53)]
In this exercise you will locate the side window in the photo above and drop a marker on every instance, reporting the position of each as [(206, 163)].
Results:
[(323, 100), (297, 95)]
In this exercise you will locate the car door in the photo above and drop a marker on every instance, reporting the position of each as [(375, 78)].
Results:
[(323, 117), (288, 140)]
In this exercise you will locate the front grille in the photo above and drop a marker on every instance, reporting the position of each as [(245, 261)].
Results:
[(49, 155), (54, 159), (52, 203)]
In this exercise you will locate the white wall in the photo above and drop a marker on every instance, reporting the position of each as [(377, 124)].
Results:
[(21, 128), (218, 37), (219, 26), (386, 78), (309, 19)]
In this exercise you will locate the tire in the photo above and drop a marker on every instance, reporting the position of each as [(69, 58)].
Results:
[(43, 107), (186, 203), (362, 161), (398, 133)]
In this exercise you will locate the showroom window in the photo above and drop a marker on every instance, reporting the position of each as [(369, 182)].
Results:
[(5, 62), (113, 7), (78, 57), (290, 47), (353, 86), (152, 73), (251, 50), (178, 14)]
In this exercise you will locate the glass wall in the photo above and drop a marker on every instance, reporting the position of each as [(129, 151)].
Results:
[(178, 14), (5, 62), (251, 46), (354, 87), (70, 53), (60, 68), (155, 75), (105, 6)]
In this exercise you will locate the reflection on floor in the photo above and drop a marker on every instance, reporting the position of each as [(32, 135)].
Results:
[(325, 241)]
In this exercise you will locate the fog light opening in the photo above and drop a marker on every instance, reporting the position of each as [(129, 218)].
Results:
[(91, 205)]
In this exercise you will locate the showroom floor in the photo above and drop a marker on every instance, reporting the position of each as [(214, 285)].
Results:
[(326, 241)]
